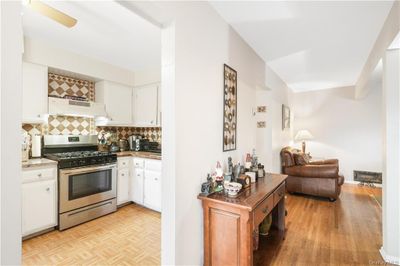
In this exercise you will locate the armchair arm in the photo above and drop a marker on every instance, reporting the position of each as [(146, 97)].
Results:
[(322, 162), (319, 171)]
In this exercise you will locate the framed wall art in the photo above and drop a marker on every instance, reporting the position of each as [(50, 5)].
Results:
[(285, 117), (230, 109)]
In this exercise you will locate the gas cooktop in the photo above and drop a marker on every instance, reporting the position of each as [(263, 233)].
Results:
[(81, 158)]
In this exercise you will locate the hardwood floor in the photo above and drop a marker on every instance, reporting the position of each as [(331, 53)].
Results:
[(131, 236), (319, 232)]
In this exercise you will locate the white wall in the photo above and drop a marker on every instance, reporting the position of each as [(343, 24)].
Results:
[(193, 116), (343, 128), (10, 140), (271, 139), (39, 52), (391, 183)]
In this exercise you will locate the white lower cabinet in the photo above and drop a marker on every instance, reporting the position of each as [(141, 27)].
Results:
[(137, 186), (152, 190), (143, 185), (39, 202), (123, 186), (123, 180)]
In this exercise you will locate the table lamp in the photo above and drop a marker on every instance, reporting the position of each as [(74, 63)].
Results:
[(302, 136)]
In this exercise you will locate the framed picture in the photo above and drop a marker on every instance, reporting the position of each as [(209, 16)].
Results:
[(230, 109), (285, 117)]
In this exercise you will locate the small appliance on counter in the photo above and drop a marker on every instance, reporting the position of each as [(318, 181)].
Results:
[(134, 142), (152, 146), (123, 145), (113, 147)]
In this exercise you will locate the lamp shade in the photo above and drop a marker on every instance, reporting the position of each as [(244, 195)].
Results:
[(303, 135)]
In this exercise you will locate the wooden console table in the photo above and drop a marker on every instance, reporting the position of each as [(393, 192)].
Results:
[(229, 223)]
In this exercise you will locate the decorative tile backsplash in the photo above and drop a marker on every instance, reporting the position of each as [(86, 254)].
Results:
[(34, 129), (70, 125), (61, 86), (151, 133)]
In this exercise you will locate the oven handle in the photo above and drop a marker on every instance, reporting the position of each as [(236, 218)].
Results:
[(87, 169)]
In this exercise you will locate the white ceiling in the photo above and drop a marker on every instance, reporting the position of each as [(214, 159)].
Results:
[(105, 31), (310, 45)]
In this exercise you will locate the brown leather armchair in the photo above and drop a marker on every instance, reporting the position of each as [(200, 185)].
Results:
[(318, 178)]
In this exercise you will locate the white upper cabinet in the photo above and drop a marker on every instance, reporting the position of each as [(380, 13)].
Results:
[(117, 99), (145, 107), (34, 93)]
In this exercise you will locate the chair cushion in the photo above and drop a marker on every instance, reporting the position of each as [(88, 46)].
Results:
[(301, 158)]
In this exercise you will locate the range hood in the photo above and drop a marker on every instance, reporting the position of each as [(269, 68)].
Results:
[(68, 107)]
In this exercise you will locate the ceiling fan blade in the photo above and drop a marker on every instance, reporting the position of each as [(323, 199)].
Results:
[(52, 13)]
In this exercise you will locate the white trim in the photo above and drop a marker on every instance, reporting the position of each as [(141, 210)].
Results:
[(357, 183), (388, 258)]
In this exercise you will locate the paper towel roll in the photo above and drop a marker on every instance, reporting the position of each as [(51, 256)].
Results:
[(36, 145)]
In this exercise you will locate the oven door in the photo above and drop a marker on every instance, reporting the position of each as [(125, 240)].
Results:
[(80, 187)]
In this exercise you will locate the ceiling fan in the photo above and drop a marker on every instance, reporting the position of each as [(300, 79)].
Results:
[(51, 13)]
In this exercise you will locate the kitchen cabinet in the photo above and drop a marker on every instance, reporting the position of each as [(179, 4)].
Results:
[(123, 186), (137, 186), (123, 180), (139, 181), (145, 107), (152, 190), (117, 99), (34, 93), (39, 199)]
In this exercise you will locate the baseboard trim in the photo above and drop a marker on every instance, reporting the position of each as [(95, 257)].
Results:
[(389, 259), (357, 183)]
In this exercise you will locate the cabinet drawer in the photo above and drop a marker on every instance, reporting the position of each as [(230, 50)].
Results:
[(123, 163), (153, 165), (279, 193), (138, 163), (39, 174), (123, 173), (262, 210)]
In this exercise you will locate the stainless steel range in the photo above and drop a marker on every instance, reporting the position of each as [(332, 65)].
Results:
[(86, 178)]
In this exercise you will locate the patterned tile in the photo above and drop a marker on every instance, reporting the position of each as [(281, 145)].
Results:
[(69, 125), (61, 86), (151, 133)]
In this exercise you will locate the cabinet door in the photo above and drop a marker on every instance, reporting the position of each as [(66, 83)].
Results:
[(34, 93), (137, 186), (145, 105), (39, 211), (152, 190), (118, 101), (123, 186)]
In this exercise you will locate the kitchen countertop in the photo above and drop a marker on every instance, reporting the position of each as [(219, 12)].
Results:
[(36, 162), (141, 154)]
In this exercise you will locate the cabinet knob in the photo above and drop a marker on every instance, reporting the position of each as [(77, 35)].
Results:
[(39, 175), (152, 121), (122, 174), (38, 116), (265, 210), (156, 178), (48, 189)]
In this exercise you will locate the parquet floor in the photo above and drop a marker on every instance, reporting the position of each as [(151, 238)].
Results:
[(319, 232), (130, 236)]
